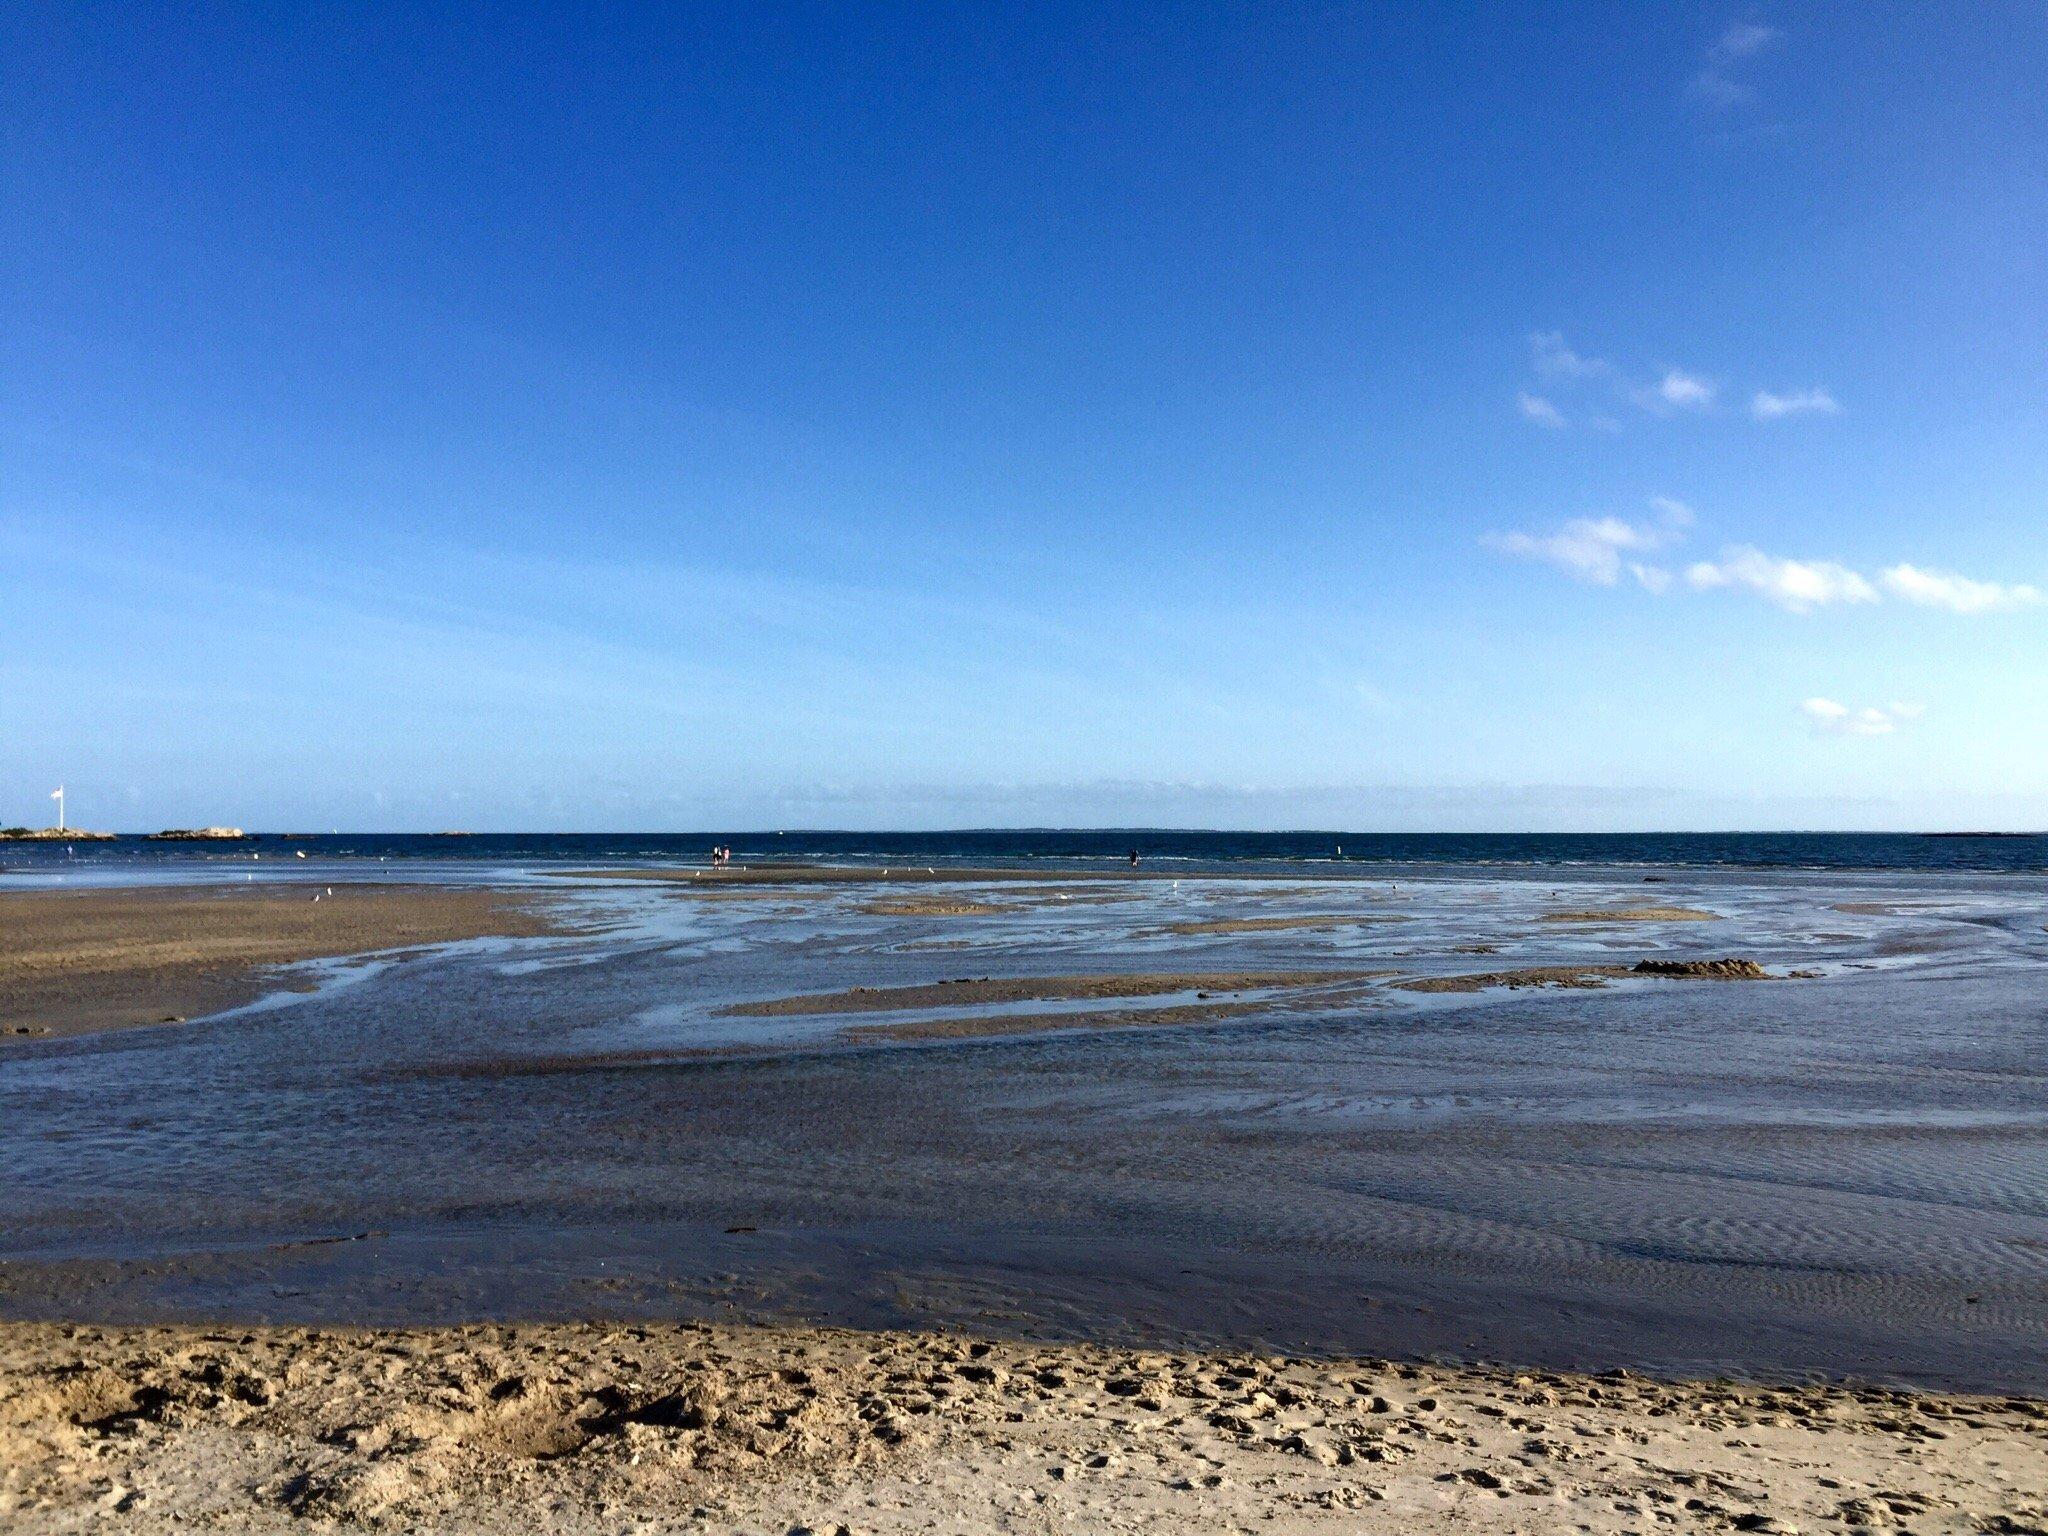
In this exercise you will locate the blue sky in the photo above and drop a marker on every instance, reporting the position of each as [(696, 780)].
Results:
[(1598, 416)]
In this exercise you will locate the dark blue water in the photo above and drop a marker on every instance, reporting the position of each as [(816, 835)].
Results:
[(1736, 850)]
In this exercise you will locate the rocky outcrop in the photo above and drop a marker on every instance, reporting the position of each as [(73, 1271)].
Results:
[(198, 835), (52, 835), (1710, 970)]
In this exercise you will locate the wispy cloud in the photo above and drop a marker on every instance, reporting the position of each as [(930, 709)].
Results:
[(1554, 359), (1596, 549), (1795, 585), (1958, 594), (1718, 83), (1766, 406), (1600, 551), (1837, 719), (1571, 388), (1652, 578)]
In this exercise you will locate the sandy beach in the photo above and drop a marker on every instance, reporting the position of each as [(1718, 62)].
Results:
[(78, 961), (954, 1288), (656, 1428)]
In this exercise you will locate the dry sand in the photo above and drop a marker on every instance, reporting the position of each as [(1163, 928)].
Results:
[(73, 961), (598, 1427)]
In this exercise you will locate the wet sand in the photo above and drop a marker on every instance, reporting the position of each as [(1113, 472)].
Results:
[(1592, 976), (987, 990), (79, 961), (1634, 915), (691, 1427), (1316, 923), (932, 907), (978, 1026)]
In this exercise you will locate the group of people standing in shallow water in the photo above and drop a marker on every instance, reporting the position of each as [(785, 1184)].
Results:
[(720, 857)]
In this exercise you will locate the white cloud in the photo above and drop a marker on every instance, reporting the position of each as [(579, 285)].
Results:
[(1683, 391), (1556, 360), (1765, 406), (1716, 83), (1602, 550), (1569, 381), (1837, 719), (1586, 548), (1796, 585), (1591, 549), (1958, 594), (1739, 41)]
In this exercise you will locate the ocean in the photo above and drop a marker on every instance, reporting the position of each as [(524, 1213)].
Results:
[(2013, 852)]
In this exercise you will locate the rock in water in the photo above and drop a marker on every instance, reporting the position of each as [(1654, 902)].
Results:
[(1712, 970)]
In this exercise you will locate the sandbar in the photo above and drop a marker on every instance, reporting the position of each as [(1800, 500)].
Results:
[(1729, 968), (975, 1026), (933, 906), (1634, 915), (981, 991), (76, 961)]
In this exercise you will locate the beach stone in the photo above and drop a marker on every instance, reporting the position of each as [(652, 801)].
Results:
[(1729, 969), (1315, 1447)]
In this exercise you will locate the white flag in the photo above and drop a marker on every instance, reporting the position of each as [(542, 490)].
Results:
[(57, 794)]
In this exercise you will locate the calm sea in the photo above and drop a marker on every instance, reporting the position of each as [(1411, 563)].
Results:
[(1989, 852)]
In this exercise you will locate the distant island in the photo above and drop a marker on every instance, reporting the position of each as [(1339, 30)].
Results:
[(168, 835), (1980, 834)]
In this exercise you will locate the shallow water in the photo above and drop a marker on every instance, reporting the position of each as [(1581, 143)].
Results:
[(1842, 1174)]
